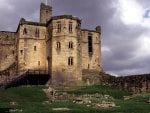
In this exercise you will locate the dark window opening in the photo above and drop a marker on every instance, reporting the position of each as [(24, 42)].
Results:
[(25, 31), (58, 27), (13, 52), (37, 32), (21, 52), (58, 45), (38, 63), (70, 61), (90, 45), (7, 37), (88, 66), (70, 27), (70, 45), (35, 48)]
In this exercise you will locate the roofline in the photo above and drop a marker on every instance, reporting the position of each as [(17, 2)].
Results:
[(62, 17), (8, 31), (90, 30), (24, 22), (34, 23)]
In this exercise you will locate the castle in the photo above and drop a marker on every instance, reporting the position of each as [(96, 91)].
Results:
[(57, 44)]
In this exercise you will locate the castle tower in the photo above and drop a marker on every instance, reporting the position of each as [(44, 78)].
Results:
[(64, 49), (45, 13)]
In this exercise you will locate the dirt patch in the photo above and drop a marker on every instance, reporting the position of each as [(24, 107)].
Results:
[(60, 109)]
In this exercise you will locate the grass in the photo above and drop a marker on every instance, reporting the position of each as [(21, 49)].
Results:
[(116, 93), (30, 100)]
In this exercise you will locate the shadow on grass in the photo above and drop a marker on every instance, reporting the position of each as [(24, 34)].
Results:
[(5, 110)]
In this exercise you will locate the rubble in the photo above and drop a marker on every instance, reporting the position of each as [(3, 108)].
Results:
[(96, 100)]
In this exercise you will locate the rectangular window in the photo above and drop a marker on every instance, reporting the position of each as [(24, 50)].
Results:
[(58, 27), (38, 63), (21, 52), (70, 45), (70, 27), (34, 48), (58, 45), (88, 66), (70, 61), (25, 31), (37, 32), (13, 52), (90, 45)]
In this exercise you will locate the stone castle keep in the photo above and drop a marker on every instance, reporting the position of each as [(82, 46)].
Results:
[(56, 44)]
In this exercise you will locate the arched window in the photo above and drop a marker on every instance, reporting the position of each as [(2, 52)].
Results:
[(37, 32), (25, 31), (58, 45), (70, 61), (70, 45)]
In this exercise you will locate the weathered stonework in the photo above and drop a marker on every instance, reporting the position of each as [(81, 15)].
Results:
[(31, 48), (60, 70), (7, 49), (91, 60), (56, 43), (132, 83)]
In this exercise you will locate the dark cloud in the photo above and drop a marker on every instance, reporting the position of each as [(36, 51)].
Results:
[(121, 50)]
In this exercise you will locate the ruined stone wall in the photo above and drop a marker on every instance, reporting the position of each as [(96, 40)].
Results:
[(7, 49), (32, 47), (91, 60), (132, 83), (61, 71)]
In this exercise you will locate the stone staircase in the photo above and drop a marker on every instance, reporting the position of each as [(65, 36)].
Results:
[(13, 81), (24, 77)]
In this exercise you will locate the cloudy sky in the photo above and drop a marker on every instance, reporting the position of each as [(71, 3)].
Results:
[(125, 27)]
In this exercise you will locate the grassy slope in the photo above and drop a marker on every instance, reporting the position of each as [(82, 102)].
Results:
[(30, 100), (117, 94)]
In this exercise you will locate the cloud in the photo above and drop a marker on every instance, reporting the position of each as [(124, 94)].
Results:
[(131, 12), (128, 40)]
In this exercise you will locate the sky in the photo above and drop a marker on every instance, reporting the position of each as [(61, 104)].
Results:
[(125, 27)]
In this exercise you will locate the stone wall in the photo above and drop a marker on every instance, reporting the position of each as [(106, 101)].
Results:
[(40, 46), (45, 13), (91, 60), (8, 74), (61, 71), (92, 77), (7, 49), (132, 83), (32, 46)]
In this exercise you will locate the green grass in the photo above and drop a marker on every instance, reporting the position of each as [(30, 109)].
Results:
[(116, 93), (30, 100), (23, 94)]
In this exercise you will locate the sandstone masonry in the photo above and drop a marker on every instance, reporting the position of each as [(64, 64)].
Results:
[(57, 44)]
